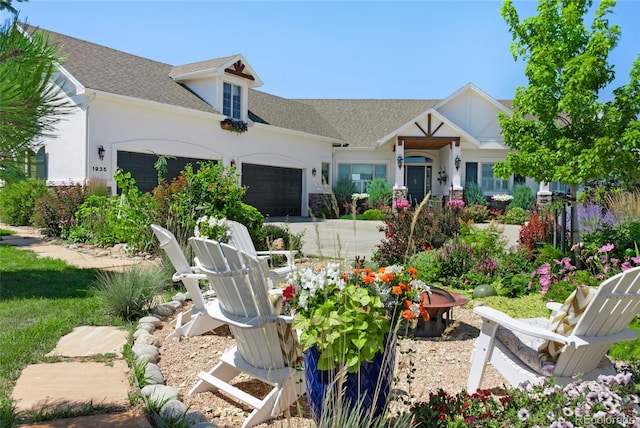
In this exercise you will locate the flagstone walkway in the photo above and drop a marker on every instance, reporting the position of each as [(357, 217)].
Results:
[(86, 365)]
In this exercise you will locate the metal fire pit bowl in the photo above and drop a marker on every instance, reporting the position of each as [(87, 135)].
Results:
[(439, 304)]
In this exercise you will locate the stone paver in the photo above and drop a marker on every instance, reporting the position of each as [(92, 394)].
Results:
[(117, 420), (84, 341), (71, 384)]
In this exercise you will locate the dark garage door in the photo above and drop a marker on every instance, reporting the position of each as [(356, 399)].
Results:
[(141, 167), (273, 191)]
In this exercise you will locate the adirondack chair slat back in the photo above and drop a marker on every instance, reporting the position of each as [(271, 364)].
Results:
[(241, 238), (235, 277), (169, 244), (614, 306), (610, 312), (239, 284)]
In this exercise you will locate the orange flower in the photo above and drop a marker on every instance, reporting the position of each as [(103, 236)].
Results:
[(407, 304), (387, 277), (407, 314), (404, 286), (397, 290), (368, 279), (412, 271)]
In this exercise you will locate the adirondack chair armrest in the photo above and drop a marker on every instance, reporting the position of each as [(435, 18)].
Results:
[(178, 276), (500, 318), (289, 254), (554, 306), (624, 335)]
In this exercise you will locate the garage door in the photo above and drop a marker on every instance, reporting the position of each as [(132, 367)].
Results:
[(273, 191), (141, 167)]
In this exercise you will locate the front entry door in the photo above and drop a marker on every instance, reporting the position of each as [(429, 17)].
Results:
[(418, 182)]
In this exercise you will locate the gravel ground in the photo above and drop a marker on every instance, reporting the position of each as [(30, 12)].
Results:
[(442, 362)]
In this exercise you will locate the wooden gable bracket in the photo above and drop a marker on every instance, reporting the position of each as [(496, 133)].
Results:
[(238, 70)]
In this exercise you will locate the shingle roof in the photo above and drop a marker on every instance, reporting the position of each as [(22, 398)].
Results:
[(361, 123), (108, 70), (358, 122)]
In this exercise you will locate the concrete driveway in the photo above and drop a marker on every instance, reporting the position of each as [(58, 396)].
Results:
[(341, 239), (345, 239)]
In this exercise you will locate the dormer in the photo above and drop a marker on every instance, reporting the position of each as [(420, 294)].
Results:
[(223, 83)]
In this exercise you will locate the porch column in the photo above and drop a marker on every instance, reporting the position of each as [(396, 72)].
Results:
[(544, 196), (456, 173), (399, 189)]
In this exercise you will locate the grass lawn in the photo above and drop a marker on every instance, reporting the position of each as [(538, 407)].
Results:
[(41, 299)]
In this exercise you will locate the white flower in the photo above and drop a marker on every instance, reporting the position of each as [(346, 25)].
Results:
[(502, 197)]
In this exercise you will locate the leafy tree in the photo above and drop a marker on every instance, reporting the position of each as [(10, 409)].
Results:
[(560, 129), (6, 4), (31, 103)]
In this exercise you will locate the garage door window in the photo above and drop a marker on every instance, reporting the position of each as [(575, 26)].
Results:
[(362, 174)]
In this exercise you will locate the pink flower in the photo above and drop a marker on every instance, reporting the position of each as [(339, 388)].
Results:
[(626, 266), (605, 248)]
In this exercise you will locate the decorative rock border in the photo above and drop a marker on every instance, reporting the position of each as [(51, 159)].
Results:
[(146, 348)]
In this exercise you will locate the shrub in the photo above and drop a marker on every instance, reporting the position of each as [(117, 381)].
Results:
[(18, 199), (515, 215), (344, 188), (473, 194), (476, 213), (128, 294), (380, 193), (55, 211), (607, 401), (523, 197), (538, 230), (271, 232), (373, 214)]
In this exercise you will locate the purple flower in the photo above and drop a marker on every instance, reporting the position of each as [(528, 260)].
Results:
[(626, 266)]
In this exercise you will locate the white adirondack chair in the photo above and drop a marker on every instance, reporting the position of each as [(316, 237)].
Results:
[(266, 346), (604, 322), (241, 239), (196, 321)]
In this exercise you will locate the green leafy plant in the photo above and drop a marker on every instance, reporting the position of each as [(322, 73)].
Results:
[(18, 199), (343, 191), (515, 215), (473, 195), (523, 197), (374, 214), (347, 315), (380, 193)]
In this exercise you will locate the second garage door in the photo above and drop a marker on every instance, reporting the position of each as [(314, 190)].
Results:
[(274, 191)]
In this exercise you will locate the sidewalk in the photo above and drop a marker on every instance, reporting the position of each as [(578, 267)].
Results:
[(77, 379)]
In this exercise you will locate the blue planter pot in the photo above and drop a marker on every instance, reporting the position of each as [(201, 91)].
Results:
[(371, 384)]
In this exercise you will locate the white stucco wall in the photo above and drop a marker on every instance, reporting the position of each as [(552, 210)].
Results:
[(66, 152)]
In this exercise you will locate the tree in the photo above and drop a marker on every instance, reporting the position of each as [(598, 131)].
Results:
[(6, 4), (31, 101), (560, 130)]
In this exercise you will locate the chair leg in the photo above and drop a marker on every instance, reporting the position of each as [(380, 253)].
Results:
[(199, 324), (222, 371), (481, 355)]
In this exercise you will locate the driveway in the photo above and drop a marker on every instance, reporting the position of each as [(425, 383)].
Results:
[(345, 239), (340, 239)]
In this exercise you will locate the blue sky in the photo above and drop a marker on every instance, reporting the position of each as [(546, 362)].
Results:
[(327, 49)]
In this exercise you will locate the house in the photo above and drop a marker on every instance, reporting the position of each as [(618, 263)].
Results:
[(131, 110)]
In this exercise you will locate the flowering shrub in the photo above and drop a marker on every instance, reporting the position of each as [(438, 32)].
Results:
[(599, 265), (539, 229), (593, 218), (401, 204), (213, 228), (455, 203), (347, 314), (609, 401)]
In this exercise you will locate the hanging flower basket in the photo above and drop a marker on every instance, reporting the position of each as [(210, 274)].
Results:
[(233, 125)]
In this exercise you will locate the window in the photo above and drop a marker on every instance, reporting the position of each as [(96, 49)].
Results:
[(362, 174), (490, 183), (325, 173), (232, 101), (558, 188)]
